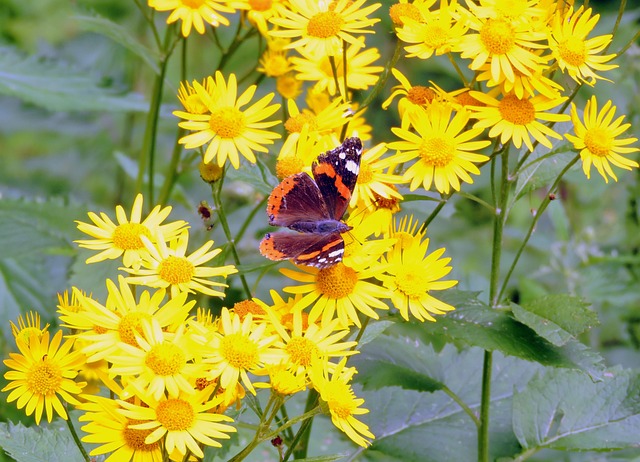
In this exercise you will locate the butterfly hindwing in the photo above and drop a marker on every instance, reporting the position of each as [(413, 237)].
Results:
[(319, 250), (296, 198), (336, 173)]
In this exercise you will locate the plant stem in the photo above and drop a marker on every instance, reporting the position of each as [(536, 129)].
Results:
[(382, 80), (76, 439), (301, 441), (485, 404), (462, 405)]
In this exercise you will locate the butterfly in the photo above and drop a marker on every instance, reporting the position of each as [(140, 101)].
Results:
[(313, 209)]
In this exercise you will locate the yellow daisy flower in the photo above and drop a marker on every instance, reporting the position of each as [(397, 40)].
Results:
[(161, 362), (597, 139), (435, 31), (360, 73), (518, 119), (409, 9), (443, 148), (284, 381), (259, 12), (194, 14), (189, 98), (413, 97), (227, 128), (240, 348), (337, 290), (124, 238), (25, 329), (373, 182), (323, 26), (42, 373), (183, 423), (274, 63), (169, 266), (320, 120), (575, 54), (505, 44), (297, 153), (412, 275), (522, 85), (336, 393)]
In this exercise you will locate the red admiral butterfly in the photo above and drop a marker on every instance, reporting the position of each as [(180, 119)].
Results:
[(314, 209)]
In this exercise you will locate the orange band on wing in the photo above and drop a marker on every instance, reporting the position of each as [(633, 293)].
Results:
[(308, 256), (278, 193), (328, 170)]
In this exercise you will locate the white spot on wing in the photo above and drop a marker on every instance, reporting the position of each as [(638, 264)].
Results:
[(336, 253), (352, 167)]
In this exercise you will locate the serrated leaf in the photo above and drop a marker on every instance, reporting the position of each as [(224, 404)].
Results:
[(57, 87), (566, 410), (559, 318), (35, 444), (394, 361), (258, 176), (415, 425), (120, 35), (473, 323)]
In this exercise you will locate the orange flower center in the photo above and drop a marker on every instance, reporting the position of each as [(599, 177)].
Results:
[(127, 236), (193, 4), (165, 359), (245, 307), (44, 378), (296, 123), (130, 325), (239, 351), (397, 11), (175, 415), (366, 174), (598, 141), (434, 35), (412, 281), (324, 25), (337, 281), (227, 122), (176, 270), (573, 51), (301, 351), (466, 99), (438, 151), (389, 203), (420, 95), (260, 5), (134, 439), (517, 111), (497, 36), (287, 166)]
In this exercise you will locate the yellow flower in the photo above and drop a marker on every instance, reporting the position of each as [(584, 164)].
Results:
[(43, 373), (240, 348), (323, 26), (518, 119), (574, 53), (104, 328), (25, 329), (338, 290), (125, 237), (259, 12), (320, 121), (283, 381), (161, 362), (227, 128), (337, 394), (435, 31), (523, 85), (274, 63), (297, 153), (109, 428), (181, 422), (443, 148), (412, 274), (288, 86), (597, 139), (194, 13), (171, 267), (411, 10), (360, 73), (503, 43), (373, 182), (413, 97)]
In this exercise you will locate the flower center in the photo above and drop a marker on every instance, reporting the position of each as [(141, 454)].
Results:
[(366, 174), (324, 25), (598, 141), (438, 151), (240, 351), (193, 4), (336, 281), (302, 351), (127, 236), (165, 359), (390, 203), (227, 122), (572, 51), (296, 123), (517, 111), (420, 95), (340, 399), (245, 307), (260, 5), (176, 270), (397, 11), (130, 325), (134, 439), (175, 414), (44, 378), (288, 166), (497, 36), (465, 99), (435, 36), (288, 86), (411, 281)]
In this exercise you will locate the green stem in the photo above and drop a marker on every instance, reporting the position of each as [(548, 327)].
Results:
[(463, 405), (336, 81), (543, 205), (458, 70), (76, 439), (485, 403), (498, 229), (227, 231), (300, 443), (382, 80), (434, 213)]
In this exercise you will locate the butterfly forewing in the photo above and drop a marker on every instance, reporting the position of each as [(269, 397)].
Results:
[(307, 204)]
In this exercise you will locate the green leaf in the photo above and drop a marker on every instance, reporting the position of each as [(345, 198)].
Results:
[(558, 318), (473, 323), (54, 86), (566, 410), (53, 443), (120, 35), (432, 427)]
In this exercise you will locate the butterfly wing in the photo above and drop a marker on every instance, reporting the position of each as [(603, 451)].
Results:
[(296, 198), (319, 250), (336, 173)]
